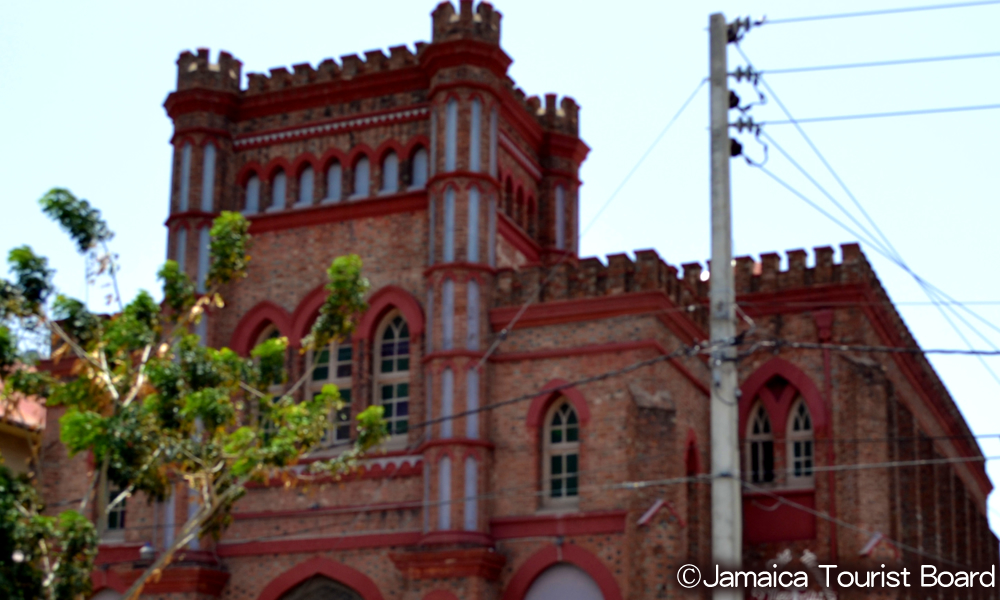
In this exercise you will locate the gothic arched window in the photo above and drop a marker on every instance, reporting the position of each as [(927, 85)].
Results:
[(561, 455), (760, 447), (334, 363), (278, 187), (306, 181), (418, 169), (251, 204), (333, 182), (390, 174), (392, 373), (800, 445), (361, 178)]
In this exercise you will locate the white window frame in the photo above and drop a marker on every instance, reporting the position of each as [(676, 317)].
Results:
[(759, 433), (569, 451), (339, 429), (393, 378), (799, 435)]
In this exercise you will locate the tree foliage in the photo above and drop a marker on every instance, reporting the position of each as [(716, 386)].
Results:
[(155, 406)]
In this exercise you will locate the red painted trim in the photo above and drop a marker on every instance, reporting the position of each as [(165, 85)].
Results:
[(186, 133), (605, 307), (324, 544), (301, 162), (253, 323), (519, 157), (390, 145), (117, 553), (511, 232), (183, 580), (358, 152), (329, 157), (529, 571), (107, 579), (440, 595), (440, 538), (202, 100), (449, 177), (188, 218), (345, 210), (505, 528), (450, 564), (330, 510), (383, 301), (319, 565), (305, 314), (457, 441), (778, 408), (278, 163), (246, 171), (459, 266), (540, 404), (609, 348)]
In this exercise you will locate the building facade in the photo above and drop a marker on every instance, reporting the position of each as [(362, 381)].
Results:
[(502, 479)]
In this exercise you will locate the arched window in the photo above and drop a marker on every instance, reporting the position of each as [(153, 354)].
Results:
[(390, 174), (799, 438), (560, 217), (306, 183), (333, 183), (760, 447), (252, 203), (321, 588), (508, 197), (449, 225), (392, 373), (532, 216), (561, 455), (418, 169), (278, 187), (564, 580), (450, 135), (208, 179), (519, 208), (475, 117), (334, 364), (361, 178), (185, 191)]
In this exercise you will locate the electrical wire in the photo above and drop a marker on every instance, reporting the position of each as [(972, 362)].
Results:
[(898, 113), (874, 13), (645, 155), (880, 63)]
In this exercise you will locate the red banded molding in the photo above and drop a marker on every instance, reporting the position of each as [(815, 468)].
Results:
[(372, 120)]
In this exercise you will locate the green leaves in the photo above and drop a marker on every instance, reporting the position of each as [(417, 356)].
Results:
[(33, 278), (82, 222), (178, 289), (347, 288), (228, 247), (27, 537)]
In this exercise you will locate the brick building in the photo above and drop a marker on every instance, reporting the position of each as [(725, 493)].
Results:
[(460, 193)]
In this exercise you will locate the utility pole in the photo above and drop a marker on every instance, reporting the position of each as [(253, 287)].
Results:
[(727, 500)]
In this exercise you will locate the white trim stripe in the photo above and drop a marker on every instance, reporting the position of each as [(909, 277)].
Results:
[(291, 134)]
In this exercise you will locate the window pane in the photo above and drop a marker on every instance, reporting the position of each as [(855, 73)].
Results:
[(344, 353), (571, 434), (344, 370), (321, 373), (557, 488), (345, 395), (401, 426), (402, 409), (768, 448), (403, 364), (403, 390), (572, 483), (388, 349), (571, 463), (387, 366), (556, 463), (556, 436), (387, 392)]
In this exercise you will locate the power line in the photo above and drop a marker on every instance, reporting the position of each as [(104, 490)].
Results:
[(880, 63), (646, 154), (898, 113), (865, 348), (874, 13)]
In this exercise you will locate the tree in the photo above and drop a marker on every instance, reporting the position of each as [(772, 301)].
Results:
[(153, 404)]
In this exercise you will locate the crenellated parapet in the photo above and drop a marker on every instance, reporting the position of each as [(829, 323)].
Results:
[(197, 71), (481, 23), (766, 275), (590, 278), (351, 66)]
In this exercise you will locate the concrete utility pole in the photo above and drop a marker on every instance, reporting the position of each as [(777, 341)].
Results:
[(727, 505)]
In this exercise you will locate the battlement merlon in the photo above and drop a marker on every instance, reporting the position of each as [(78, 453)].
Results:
[(197, 71), (481, 24)]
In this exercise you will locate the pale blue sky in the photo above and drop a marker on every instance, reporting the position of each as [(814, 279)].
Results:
[(82, 87)]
